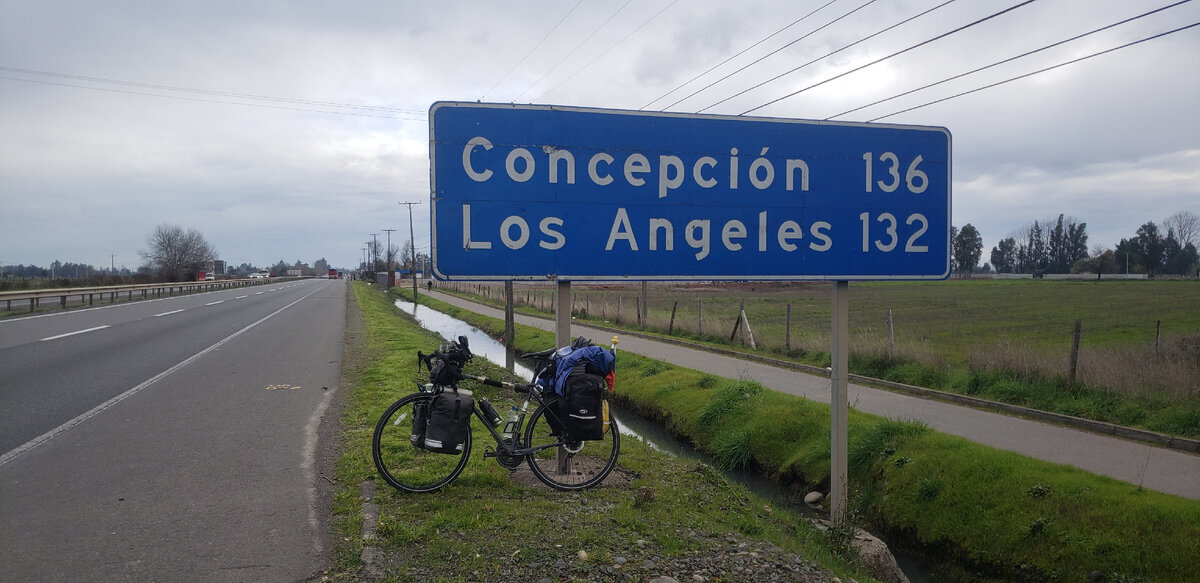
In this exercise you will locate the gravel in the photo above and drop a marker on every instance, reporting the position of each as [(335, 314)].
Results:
[(733, 560)]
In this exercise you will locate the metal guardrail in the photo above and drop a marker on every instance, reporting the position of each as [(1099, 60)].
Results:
[(146, 290)]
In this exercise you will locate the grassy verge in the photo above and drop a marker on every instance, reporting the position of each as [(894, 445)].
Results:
[(1005, 341), (485, 527), (986, 511)]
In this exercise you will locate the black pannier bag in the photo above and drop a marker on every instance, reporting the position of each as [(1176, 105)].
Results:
[(582, 403), (449, 421)]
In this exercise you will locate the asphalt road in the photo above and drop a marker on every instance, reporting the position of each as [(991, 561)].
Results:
[(174, 439), (1155, 468)]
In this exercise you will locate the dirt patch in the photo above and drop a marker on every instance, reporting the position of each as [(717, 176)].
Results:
[(619, 478)]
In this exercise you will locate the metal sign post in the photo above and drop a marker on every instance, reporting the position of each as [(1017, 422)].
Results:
[(562, 337), (838, 405)]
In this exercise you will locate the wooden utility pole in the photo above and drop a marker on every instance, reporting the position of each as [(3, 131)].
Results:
[(388, 255), (414, 247)]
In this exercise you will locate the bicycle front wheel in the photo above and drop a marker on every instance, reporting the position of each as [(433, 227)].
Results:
[(404, 465), (580, 465)]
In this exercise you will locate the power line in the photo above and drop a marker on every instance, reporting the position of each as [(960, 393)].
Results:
[(531, 50), (197, 99), (764, 57), (1018, 77), (207, 91), (738, 54), (827, 55), (577, 47), (608, 50), (900, 52), (1010, 59)]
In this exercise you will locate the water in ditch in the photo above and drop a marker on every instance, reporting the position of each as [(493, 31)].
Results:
[(650, 432)]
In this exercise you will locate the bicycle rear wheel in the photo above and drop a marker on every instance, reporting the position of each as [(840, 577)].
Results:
[(584, 463), (400, 462)]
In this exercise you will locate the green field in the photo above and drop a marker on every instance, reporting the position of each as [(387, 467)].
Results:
[(982, 514), (1005, 340)]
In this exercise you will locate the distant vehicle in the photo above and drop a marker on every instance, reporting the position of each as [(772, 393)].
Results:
[(200, 276), (333, 274), (260, 275), (210, 277)]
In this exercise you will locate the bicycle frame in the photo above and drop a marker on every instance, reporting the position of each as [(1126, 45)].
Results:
[(531, 392)]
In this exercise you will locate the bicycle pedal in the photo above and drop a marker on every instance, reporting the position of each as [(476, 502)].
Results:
[(488, 452)]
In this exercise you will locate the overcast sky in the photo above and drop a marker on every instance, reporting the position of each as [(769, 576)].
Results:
[(119, 116)]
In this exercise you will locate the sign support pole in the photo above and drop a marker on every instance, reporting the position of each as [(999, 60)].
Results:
[(838, 442), (562, 337)]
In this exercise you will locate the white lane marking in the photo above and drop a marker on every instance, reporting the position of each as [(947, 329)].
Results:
[(43, 438), (308, 462), (167, 313), (215, 303), (74, 333), (258, 293), (240, 297)]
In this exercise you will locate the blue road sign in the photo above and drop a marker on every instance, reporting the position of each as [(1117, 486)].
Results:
[(537, 192)]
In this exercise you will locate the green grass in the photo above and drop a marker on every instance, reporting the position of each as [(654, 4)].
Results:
[(484, 527), (978, 509), (1003, 340)]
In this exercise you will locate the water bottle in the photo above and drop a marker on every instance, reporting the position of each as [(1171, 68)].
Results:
[(510, 424), (489, 412)]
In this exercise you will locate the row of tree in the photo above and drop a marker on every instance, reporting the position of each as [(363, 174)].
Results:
[(1040, 248), (173, 253), (60, 270), (401, 258), (1061, 246)]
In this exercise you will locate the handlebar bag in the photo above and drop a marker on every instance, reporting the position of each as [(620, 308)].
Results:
[(449, 421)]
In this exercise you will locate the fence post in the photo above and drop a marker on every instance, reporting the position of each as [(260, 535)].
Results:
[(787, 329), (1074, 352), (749, 332), (738, 323), (1157, 335), (891, 337), (700, 317), (671, 326), (640, 307), (644, 310)]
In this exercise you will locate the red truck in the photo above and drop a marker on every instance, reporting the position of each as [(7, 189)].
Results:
[(333, 274)]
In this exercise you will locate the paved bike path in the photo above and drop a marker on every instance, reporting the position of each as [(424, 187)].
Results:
[(1156, 468)]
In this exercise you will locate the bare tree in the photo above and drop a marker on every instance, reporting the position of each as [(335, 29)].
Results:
[(176, 254), (1186, 226)]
